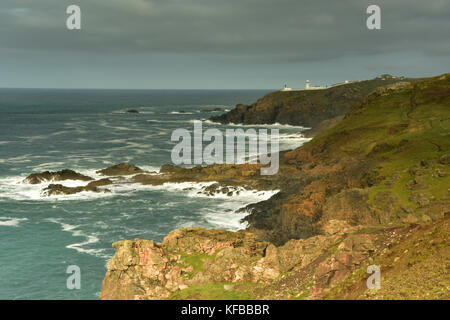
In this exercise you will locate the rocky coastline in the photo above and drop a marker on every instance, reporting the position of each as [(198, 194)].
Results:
[(370, 188)]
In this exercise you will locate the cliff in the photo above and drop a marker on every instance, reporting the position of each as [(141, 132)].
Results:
[(373, 189), (308, 108), (216, 264)]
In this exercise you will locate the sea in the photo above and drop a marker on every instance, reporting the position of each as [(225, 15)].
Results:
[(88, 130)]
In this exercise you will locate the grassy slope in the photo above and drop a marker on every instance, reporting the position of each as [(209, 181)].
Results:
[(405, 131), (401, 132), (307, 108), (413, 266)]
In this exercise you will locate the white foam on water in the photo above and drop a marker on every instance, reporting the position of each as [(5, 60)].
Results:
[(13, 188), (220, 216), (231, 221), (224, 215), (292, 140), (48, 166), (105, 124), (21, 159), (11, 222), (159, 121), (287, 141), (275, 125), (179, 112), (116, 141), (78, 246), (150, 168)]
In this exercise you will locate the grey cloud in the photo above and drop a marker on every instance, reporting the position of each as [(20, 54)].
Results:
[(218, 43), (263, 30)]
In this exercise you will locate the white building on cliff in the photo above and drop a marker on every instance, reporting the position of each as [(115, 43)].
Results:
[(308, 86)]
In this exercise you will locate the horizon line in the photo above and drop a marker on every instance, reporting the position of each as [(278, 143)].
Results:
[(50, 88)]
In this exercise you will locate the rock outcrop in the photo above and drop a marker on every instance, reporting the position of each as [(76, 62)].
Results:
[(121, 169), (46, 176), (370, 190), (213, 110), (307, 108), (364, 170), (215, 264), (59, 189), (364, 191)]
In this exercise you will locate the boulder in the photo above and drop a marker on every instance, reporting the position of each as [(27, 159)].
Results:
[(121, 169)]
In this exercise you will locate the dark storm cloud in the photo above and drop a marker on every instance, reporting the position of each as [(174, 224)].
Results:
[(234, 30), (218, 43)]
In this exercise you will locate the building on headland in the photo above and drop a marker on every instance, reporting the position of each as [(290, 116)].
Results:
[(308, 86), (387, 76), (286, 88)]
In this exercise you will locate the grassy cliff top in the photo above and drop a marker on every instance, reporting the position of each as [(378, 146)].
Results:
[(371, 190), (306, 108)]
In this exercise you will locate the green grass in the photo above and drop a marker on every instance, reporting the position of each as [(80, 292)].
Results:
[(396, 132), (196, 260), (302, 296), (211, 291)]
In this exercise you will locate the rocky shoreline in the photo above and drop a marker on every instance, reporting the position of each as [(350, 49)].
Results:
[(215, 264), (372, 188), (308, 108)]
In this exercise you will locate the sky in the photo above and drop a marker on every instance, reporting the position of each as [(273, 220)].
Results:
[(218, 44)]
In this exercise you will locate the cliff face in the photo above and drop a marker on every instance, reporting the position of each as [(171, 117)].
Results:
[(373, 189), (386, 162), (302, 108), (216, 264)]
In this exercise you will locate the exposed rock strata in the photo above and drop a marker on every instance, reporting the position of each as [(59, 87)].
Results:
[(206, 264)]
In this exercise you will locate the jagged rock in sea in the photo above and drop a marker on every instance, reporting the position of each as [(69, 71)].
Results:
[(58, 189), (121, 169), (36, 178), (212, 110)]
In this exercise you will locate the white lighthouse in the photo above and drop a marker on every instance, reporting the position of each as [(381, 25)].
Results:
[(307, 85)]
